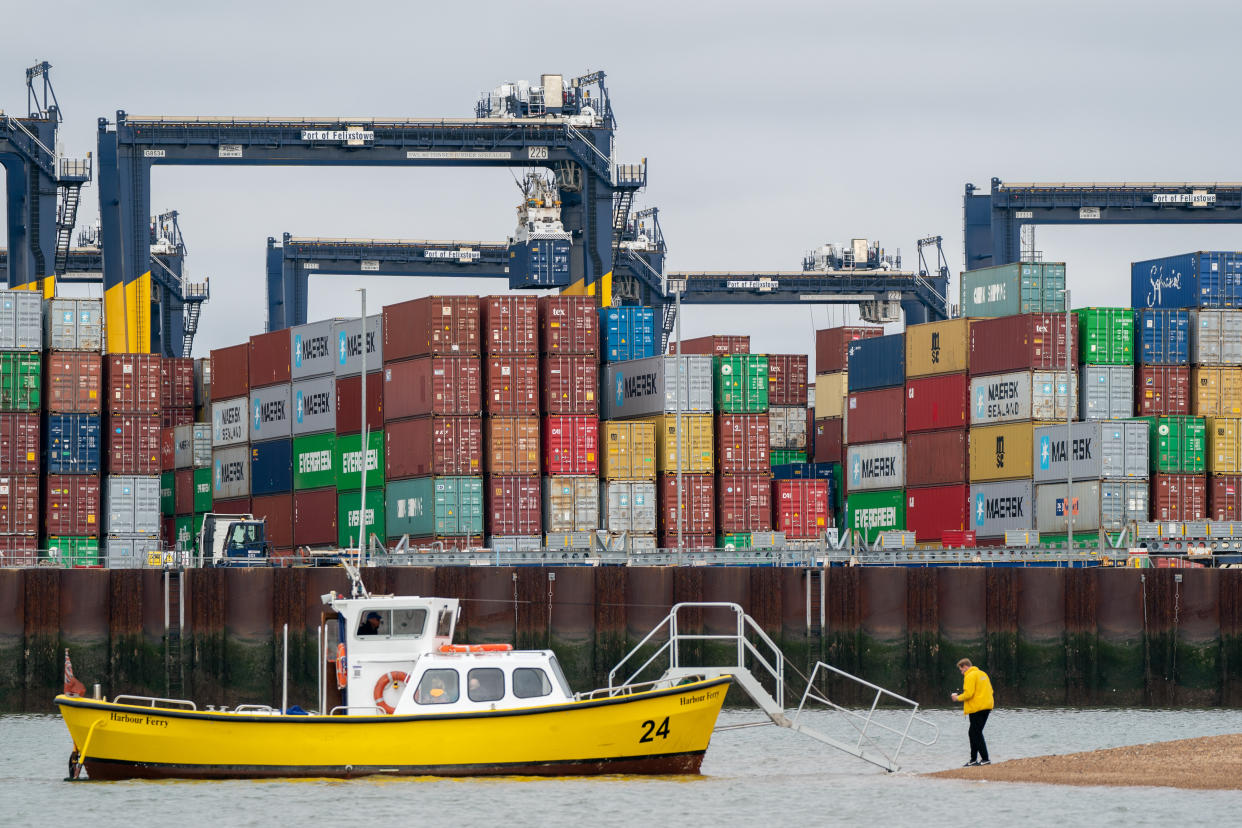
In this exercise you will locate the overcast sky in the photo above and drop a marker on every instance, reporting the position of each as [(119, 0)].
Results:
[(768, 128)]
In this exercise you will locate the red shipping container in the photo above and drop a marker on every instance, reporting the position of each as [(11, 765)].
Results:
[(134, 383), (933, 403), (1162, 389), (743, 503), (427, 446), (716, 345), (183, 492), (742, 443), (349, 403), (269, 358), (787, 376), (512, 386), (510, 324), (568, 325), (832, 346), (693, 542), (19, 550), (230, 372), (74, 382), (450, 386), (72, 505), (240, 506), (1223, 497), (1027, 342), (432, 326), (810, 433), (171, 417), (875, 416), (571, 445), (801, 508), (20, 444), (278, 509), (937, 458), (1178, 496), (570, 385), (168, 448), (168, 530), (314, 518), (19, 505), (514, 506), (511, 445), (134, 444), (932, 511), (958, 539), (698, 504), (829, 440), (446, 541), (177, 382)]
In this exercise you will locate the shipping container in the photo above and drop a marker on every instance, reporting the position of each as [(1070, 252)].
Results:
[(277, 510), (349, 504), (570, 504), (698, 447), (74, 382), (432, 326), (804, 471), (21, 381), (77, 551), (829, 440), (312, 352), (269, 357), (435, 506), (168, 494), (314, 405), (1163, 390), (646, 387), (1113, 449), (1031, 342), (876, 416), (628, 506), (715, 345), (314, 518), (1105, 336), (629, 450), (1224, 497), (446, 542), (1001, 452), (1216, 392), (19, 550), (935, 510), (937, 402), (570, 384), (571, 445), (1224, 450), (429, 385), (19, 505), (74, 444), (440, 446), (937, 348), (241, 506), (348, 339), (1178, 444), (131, 505), (1108, 504), (231, 473), (783, 457), (134, 444), (877, 362), (182, 495), (742, 443), (832, 347), (230, 423), (744, 502), (787, 428), (937, 458), (1163, 337), (511, 445), (509, 544), (570, 540), (173, 417), (130, 551), (202, 490), (510, 325), (997, 508), (627, 332), (787, 379), (191, 446), (1106, 392), (348, 459), (870, 513), (20, 444), (512, 386), (71, 504), (1022, 395), (21, 320), (74, 325), (703, 542), (177, 382), (801, 508), (271, 470), (349, 403), (1216, 337), (831, 391), (314, 462), (1178, 497), (698, 504), (271, 414), (873, 466), (1190, 280), (230, 372), (568, 325), (741, 383), (1009, 289), (514, 505)]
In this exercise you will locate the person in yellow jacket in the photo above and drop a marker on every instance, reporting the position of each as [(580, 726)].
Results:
[(977, 703)]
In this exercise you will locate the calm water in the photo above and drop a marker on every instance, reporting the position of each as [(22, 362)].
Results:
[(761, 776)]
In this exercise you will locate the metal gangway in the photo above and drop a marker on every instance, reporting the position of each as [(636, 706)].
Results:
[(768, 659)]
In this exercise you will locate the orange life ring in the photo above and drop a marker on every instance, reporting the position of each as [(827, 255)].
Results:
[(342, 669), (395, 678), (475, 648)]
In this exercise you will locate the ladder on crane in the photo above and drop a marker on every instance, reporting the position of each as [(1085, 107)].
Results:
[(752, 646)]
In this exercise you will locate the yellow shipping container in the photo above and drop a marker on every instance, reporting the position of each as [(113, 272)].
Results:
[(938, 348), (698, 451), (628, 449), (1224, 451), (1001, 452), (830, 393), (1216, 392)]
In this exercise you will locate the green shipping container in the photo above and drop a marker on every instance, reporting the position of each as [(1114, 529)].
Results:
[(736, 540), (874, 512), (425, 506), (838, 494), (167, 502), (1082, 540), (74, 551), (314, 461), (348, 460), (183, 532), (780, 457), (347, 515), (742, 383), (1105, 336), (21, 377), (1006, 290), (1178, 444), (202, 490)]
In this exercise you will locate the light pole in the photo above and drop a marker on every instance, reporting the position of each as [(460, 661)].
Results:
[(362, 505), (683, 386)]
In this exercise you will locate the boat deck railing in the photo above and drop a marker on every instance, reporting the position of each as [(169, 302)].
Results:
[(156, 701)]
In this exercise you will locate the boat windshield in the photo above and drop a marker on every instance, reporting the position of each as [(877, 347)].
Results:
[(392, 623), (559, 675)]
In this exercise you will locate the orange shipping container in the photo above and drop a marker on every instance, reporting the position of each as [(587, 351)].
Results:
[(628, 450), (512, 445)]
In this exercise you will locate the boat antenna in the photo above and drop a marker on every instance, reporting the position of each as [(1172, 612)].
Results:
[(357, 589)]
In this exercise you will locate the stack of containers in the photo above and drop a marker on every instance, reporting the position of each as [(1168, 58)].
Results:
[(131, 491), (271, 438), (176, 391), (743, 446), (875, 451), (185, 487), (230, 430), (202, 390), (74, 387), (433, 442), (21, 340), (802, 505), (569, 373), (1106, 363), (356, 341), (937, 415), (832, 347), (312, 393), (1216, 396), (1022, 372), (1163, 388)]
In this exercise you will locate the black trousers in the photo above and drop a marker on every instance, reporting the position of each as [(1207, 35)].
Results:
[(978, 747)]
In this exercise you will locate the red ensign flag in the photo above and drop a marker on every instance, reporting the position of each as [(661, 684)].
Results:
[(73, 687)]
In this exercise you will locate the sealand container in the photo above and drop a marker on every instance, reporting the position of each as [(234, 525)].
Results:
[(877, 362), (511, 446), (271, 413), (1178, 444), (1224, 450), (570, 384), (311, 351), (20, 443), (873, 466), (1190, 280), (787, 379), (439, 446), (742, 443), (698, 448), (349, 458), (1001, 452), (1178, 497), (937, 348), (1105, 336), (1030, 342), (431, 385), (230, 421), (787, 428), (348, 339), (71, 504), (202, 490), (131, 505), (438, 506), (937, 402), (1216, 337), (74, 382), (20, 381), (176, 382), (628, 450), (627, 332), (934, 510), (937, 458), (74, 444), (876, 416), (314, 462), (510, 325), (571, 445), (568, 325), (801, 508), (698, 504), (744, 503), (871, 513), (832, 346), (349, 403), (646, 387), (1009, 289), (21, 320), (514, 505), (314, 405), (348, 523), (829, 440), (433, 326), (1224, 497), (230, 372), (277, 510), (741, 383), (191, 446), (270, 359), (271, 469), (134, 444), (1022, 395), (831, 391), (570, 504), (1215, 392), (715, 345), (230, 477), (134, 383), (628, 506), (1106, 392), (1163, 337), (1163, 390), (314, 517), (997, 508), (74, 325), (511, 385), (1113, 449)]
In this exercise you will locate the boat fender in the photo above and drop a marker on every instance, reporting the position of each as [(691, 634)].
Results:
[(475, 648), (342, 668), (396, 680)]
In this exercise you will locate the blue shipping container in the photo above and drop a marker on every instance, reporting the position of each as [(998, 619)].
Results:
[(73, 443), (627, 333), (1192, 280), (271, 467), (879, 362), (802, 471), (539, 263), (1164, 337)]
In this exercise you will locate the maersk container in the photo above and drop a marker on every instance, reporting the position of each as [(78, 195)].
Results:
[(628, 505), (1105, 336), (876, 466), (74, 325), (74, 444), (1106, 392), (314, 405), (1190, 280), (1216, 337), (230, 423), (271, 469), (132, 505), (1163, 337), (192, 446), (1114, 449), (348, 460), (1178, 444), (877, 362), (871, 513), (1022, 395), (627, 332), (311, 349), (424, 506), (230, 477), (347, 342), (646, 387), (1008, 289), (21, 320), (347, 518), (997, 508), (741, 385), (271, 415), (570, 504)]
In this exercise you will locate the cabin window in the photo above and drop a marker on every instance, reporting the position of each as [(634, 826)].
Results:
[(444, 625), (392, 623), (485, 684), (559, 675), (530, 683), (437, 687)]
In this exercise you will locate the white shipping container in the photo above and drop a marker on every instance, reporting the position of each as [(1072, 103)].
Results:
[(787, 427), (229, 423), (515, 543), (21, 320), (130, 551), (347, 340), (314, 405), (192, 446), (1021, 395), (1106, 392), (876, 466), (570, 504), (1116, 449), (230, 473), (132, 505), (271, 414), (74, 325), (655, 385), (628, 505), (998, 508), (1216, 337), (312, 349)]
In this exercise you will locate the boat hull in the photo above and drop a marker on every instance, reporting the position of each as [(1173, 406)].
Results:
[(656, 732)]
